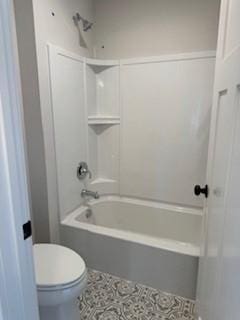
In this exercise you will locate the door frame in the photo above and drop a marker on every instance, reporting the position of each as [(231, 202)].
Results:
[(18, 293)]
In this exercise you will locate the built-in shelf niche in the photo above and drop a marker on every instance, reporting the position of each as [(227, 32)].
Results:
[(102, 85), (103, 146), (102, 79)]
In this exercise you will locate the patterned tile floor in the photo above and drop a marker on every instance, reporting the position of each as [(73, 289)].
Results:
[(110, 298)]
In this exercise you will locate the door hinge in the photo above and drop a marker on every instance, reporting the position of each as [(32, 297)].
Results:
[(27, 230)]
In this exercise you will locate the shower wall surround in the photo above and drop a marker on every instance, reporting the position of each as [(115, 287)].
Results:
[(165, 120), (53, 23), (141, 124), (69, 125)]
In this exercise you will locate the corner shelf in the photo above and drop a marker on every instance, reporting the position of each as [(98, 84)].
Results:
[(105, 185), (103, 110), (100, 180), (101, 120), (102, 63)]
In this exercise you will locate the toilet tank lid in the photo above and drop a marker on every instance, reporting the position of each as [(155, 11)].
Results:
[(56, 265)]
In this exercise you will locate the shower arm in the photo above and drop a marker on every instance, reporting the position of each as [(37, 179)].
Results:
[(86, 24)]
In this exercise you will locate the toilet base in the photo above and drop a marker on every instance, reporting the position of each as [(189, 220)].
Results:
[(69, 311)]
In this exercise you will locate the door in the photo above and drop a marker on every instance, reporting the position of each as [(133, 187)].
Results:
[(18, 294), (219, 278)]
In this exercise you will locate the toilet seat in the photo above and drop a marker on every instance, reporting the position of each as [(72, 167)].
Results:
[(57, 267), (63, 287)]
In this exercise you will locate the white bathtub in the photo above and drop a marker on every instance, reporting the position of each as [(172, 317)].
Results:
[(144, 241)]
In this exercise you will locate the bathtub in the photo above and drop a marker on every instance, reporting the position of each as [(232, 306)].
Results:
[(148, 242)]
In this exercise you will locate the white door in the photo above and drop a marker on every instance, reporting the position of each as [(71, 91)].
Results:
[(18, 294), (219, 281)]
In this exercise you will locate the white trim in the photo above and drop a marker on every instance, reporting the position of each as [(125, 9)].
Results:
[(54, 217), (18, 289), (68, 54), (101, 62), (140, 60), (86, 111), (171, 57)]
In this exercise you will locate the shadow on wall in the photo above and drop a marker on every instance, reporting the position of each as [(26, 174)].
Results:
[(82, 41)]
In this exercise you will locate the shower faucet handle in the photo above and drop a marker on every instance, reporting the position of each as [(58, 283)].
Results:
[(83, 171)]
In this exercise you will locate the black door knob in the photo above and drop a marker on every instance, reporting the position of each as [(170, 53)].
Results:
[(198, 190)]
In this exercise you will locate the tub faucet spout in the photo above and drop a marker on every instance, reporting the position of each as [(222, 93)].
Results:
[(88, 193)]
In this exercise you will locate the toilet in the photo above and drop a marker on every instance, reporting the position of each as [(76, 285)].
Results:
[(61, 276)]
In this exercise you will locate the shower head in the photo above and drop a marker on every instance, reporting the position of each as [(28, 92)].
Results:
[(87, 25)]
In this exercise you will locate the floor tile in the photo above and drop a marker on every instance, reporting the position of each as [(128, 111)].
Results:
[(111, 298)]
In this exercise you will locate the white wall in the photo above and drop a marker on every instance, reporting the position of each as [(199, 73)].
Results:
[(60, 30), (154, 27), (32, 117)]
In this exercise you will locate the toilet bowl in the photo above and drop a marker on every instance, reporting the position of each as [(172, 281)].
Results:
[(61, 276)]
